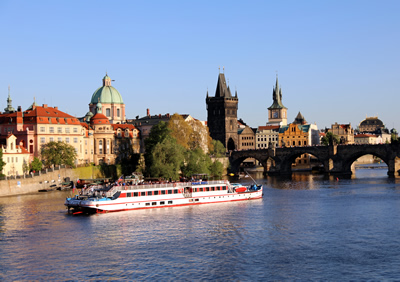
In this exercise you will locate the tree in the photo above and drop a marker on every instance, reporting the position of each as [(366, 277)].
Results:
[(180, 130), (167, 157), (2, 163), (36, 164), (218, 149), (217, 169), (58, 153), (330, 139), (196, 162), (158, 133)]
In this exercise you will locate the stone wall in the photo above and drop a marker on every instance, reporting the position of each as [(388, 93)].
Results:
[(31, 184)]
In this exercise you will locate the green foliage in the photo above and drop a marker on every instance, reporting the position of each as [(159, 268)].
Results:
[(218, 149), (217, 169), (167, 157), (330, 139), (196, 162), (36, 164), (2, 163), (157, 135), (58, 153)]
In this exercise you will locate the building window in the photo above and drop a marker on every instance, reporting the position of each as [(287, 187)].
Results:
[(59, 129), (117, 112), (100, 147), (51, 129), (51, 139), (42, 129), (67, 140), (67, 130), (75, 130), (59, 139), (108, 113), (75, 140), (42, 140)]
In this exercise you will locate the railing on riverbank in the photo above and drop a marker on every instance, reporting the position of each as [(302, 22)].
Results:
[(32, 174)]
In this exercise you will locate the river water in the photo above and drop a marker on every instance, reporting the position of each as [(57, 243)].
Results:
[(307, 228)]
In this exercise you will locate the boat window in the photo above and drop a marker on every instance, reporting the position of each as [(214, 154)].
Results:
[(135, 194), (175, 191), (218, 188), (149, 193), (201, 189), (196, 200), (169, 202), (142, 193), (155, 193), (147, 204), (194, 189), (162, 192), (223, 187), (207, 189), (212, 188), (129, 194), (162, 203), (169, 191), (154, 203)]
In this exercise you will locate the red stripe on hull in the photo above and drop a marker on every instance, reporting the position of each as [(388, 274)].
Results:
[(179, 205)]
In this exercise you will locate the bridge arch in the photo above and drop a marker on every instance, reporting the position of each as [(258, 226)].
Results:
[(290, 159), (349, 161)]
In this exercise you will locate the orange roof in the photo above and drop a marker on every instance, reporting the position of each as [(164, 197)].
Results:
[(99, 119), (266, 127), (46, 115)]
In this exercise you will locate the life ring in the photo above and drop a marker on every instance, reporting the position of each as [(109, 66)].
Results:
[(174, 184)]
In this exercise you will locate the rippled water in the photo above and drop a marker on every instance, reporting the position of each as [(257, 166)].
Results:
[(309, 228)]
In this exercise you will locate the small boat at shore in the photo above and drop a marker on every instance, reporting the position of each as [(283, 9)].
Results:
[(122, 197)]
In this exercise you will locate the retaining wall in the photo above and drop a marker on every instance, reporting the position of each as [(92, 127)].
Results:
[(31, 184)]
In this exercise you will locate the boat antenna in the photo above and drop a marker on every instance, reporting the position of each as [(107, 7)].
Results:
[(250, 176)]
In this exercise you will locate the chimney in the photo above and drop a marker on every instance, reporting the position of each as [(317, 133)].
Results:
[(148, 112), (56, 108), (19, 109), (45, 106), (168, 115), (159, 115)]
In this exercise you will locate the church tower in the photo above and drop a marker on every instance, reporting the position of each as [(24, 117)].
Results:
[(222, 115), (277, 113)]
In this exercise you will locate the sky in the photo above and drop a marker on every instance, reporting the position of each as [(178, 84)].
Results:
[(337, 61)]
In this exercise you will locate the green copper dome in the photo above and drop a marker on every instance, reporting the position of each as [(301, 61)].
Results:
[(106, 94)]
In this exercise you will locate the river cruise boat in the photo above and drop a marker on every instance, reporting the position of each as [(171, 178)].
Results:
[(122, 197)]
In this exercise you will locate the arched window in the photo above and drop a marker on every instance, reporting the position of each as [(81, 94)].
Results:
[(117, 112), (108, 112)]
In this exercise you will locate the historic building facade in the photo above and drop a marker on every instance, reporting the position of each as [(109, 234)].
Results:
[(299, 134), (39, 125), (15, 156), (344, 132), (267, 136), (222, 115)]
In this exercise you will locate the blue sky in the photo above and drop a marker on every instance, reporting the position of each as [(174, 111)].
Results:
[(337, 61)]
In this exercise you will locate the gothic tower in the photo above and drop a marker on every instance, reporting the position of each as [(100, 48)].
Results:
[(222, 115), (277, 113)]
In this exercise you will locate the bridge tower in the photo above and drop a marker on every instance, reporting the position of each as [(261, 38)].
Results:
[(277, 112), (222, 115)]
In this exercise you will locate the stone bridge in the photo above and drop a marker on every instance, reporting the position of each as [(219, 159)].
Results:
[(336, 160)]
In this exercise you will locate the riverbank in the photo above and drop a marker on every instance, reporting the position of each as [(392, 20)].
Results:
[(32, 183)]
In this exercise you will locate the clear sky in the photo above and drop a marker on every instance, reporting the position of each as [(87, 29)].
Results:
[(337, 61)]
